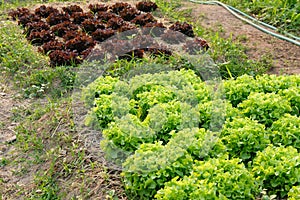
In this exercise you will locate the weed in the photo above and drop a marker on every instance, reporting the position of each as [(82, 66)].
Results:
[(2, 125), (28, 139), (47, 187), (15, 53), (111, 195), (3, 162)]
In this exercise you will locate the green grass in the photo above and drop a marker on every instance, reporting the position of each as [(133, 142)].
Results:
[(283, 14), (15, 52), (28, 69)]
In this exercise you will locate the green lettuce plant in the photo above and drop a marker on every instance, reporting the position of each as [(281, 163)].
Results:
[(151, 166), (265, 107), (147, 170), (277, 169), (172, 116), (286, 131), (293, 95), (217, 178), (294, 193), (244, 137)]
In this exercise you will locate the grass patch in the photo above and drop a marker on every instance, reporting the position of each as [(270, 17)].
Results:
[(16, 55), (10, 4), (28, 69)]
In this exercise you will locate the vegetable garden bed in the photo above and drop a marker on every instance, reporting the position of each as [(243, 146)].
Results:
[(69, 35), (171, 133), (158, 126)]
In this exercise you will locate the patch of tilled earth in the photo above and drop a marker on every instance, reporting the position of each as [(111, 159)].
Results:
[(286, 56)]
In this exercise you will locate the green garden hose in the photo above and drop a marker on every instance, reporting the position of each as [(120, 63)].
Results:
[(263, 23), (234, 12)]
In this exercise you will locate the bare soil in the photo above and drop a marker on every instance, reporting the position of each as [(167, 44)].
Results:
[(8, 102), (286, 56)]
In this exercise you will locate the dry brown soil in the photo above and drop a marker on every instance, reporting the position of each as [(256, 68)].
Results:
[(286, 56)]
